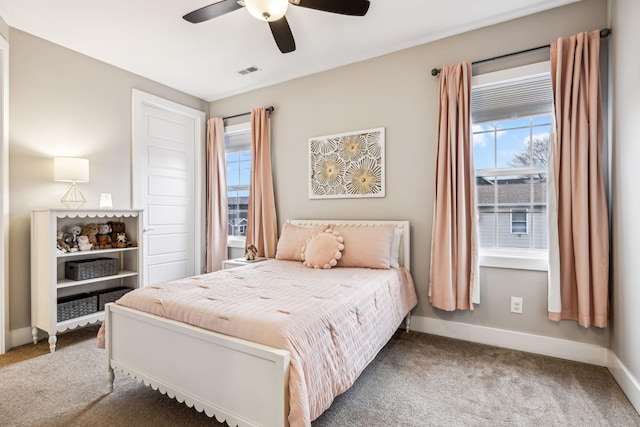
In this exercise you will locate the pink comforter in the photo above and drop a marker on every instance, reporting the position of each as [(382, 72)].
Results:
[(333, 322)]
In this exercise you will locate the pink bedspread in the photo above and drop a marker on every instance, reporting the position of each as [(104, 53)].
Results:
[(333, 322)]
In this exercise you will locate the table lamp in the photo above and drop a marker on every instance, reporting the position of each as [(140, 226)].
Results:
[(74, 170)]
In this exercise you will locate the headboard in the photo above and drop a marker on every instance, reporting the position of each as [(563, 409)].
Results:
[(405, 241)]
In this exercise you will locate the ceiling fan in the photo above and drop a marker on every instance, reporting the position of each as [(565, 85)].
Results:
[(273, 12)]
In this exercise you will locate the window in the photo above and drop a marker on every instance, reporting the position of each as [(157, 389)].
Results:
[(519, 222), (237, 144), (512, 125)]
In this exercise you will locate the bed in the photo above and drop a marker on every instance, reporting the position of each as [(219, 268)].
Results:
[(193, 341)]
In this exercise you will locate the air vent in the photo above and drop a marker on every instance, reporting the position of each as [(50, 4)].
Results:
[(249, 70)]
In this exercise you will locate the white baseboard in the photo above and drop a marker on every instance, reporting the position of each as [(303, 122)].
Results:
[(629, 385), (554, 347)]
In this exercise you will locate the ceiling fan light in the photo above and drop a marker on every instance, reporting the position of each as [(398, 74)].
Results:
[(267, 10)]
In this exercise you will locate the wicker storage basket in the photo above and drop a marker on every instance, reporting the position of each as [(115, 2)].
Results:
[(109, 295), (91, 268), (76, 306)]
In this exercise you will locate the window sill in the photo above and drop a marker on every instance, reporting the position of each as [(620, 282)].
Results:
[(236, 242), (519, 260)]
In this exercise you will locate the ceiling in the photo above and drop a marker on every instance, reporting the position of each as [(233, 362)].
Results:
[(150, 38)]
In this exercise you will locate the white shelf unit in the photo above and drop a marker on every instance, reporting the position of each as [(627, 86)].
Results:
[(48, 282)]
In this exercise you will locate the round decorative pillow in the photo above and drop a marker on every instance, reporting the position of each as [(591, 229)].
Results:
[(323, 250)]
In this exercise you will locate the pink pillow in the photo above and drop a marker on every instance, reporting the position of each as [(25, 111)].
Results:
[(367, 246), (293, 238), (323, 250)]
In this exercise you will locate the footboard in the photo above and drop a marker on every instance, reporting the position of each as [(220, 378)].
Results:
[(237, 381)]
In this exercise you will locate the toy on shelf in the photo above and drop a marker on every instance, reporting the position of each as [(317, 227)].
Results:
[(250, 253), (70, 242), (61, 245), (83, 243), (103, 241), (91, 231)]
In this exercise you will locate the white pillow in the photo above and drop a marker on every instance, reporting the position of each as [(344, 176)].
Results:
[(394, 259)]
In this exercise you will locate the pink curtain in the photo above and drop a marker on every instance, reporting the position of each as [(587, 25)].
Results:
[(262, 224), (582, 218), (217, 219), (454, 276)]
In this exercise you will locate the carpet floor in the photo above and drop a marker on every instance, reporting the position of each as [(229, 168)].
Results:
[(416, 380)]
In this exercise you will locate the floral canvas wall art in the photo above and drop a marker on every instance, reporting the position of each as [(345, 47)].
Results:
[(347, 165)]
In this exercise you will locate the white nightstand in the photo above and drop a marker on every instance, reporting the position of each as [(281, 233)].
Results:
[(238, 262)]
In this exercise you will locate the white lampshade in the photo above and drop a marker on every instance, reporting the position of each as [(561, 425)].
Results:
[(267, 10), (70, 169)]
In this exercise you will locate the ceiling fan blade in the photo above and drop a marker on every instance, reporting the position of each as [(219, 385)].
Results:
[(343, 7), (212, 11), (282, 35)]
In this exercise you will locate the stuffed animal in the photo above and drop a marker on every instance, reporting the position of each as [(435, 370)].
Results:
[(116, 227), (250, 253), (61, 246), (103, 241), (104, 229), (70, 240), (91, 230), (120, 241), (76, 231), (83, 243)]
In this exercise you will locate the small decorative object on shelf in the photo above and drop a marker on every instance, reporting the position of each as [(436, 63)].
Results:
[(250, 253), (76, 269), (105, 201), (83, 243)]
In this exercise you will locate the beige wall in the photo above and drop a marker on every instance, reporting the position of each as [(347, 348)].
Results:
[(397, 91), (63, 103), (625, 331)]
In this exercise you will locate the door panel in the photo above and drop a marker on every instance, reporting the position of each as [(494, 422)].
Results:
[(168, 140)]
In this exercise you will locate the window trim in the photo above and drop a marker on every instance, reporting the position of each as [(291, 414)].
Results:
[(524, 259), (518, 259), (236, 242)]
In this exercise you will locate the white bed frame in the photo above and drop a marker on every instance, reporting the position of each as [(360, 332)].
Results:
[(237, 381)]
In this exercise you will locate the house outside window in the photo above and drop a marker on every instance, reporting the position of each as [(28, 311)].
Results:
[(237, 144), (512, 129), (519, 222)]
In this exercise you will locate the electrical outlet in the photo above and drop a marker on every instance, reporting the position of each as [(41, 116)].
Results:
[(516, 305)]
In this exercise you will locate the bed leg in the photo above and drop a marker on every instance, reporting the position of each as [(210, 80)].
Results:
[(110, 378), (408, 322)]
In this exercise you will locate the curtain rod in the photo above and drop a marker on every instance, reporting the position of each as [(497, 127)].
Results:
[(604, 33), (269, 110)]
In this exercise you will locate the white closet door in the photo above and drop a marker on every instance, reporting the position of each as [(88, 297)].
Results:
[(167, 175)]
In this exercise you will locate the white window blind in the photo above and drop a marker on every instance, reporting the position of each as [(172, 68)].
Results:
[(512, 93)]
